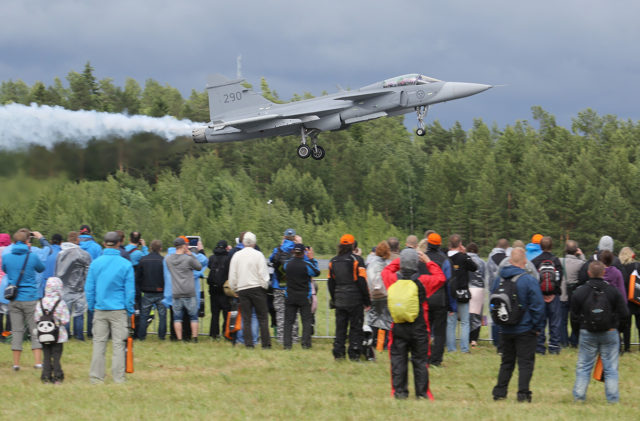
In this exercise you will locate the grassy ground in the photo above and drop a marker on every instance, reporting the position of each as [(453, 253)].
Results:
[(211, 380)]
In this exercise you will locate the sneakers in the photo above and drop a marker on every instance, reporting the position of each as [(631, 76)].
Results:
[(16, 368), (38, 366), (194, 340)]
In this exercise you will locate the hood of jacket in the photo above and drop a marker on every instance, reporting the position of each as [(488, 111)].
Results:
[(533, 247), (53, 289), (510, 271), (19, 248), (67, 246)]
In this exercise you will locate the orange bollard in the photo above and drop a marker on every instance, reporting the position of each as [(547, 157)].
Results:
[(381, 335)]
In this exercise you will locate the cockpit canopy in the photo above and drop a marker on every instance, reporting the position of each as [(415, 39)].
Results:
[(406, 80)]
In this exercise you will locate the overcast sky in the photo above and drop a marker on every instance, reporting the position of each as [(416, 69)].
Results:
[(565, 56)]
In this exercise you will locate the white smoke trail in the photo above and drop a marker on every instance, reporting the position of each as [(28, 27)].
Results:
[(44, 125)]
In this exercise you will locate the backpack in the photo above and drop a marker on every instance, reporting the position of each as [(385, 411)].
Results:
[(504, 306), (403, 301), (597, 310), (279, 260), (47, 329), (548, 277), (216, 277), (374, 279)]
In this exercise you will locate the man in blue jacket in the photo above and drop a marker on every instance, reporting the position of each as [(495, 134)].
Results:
[(22, 308), (110, 291), (519, 341)]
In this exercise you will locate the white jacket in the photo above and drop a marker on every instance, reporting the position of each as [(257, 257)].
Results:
[(248, 269)]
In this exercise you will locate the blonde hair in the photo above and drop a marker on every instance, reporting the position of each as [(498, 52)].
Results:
[(626, 255), (423, 244)]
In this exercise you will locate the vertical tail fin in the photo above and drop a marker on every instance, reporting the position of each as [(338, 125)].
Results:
[(227, 96)]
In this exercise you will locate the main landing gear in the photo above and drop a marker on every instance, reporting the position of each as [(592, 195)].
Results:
[(421, 113), (306, 151)]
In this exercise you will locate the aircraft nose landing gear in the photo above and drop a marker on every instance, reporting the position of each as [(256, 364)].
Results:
[(421, 113)]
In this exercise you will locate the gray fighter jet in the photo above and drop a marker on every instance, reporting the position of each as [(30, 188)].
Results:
[(238, 113)]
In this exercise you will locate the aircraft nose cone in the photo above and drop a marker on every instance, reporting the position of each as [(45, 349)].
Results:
[(455, 90)]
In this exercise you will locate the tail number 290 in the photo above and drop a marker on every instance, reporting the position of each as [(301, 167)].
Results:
[(232, 97)]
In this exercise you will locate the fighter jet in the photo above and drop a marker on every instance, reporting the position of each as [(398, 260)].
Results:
[(238, 113)]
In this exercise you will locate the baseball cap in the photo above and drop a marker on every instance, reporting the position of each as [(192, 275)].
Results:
[(298, 248), (347, 239), (111, 238), (434, 238), (289, 232), (179, 242), (85, 229), (536, 238)]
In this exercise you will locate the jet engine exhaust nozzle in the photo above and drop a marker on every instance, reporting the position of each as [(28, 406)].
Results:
[(198, 135)]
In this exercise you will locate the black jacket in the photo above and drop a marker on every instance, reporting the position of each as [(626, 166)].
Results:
[(348, 281), (150, 273), (461, 264), (616, 301)]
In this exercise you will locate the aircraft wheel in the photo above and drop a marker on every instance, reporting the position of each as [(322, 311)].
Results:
[(317, 152), (420, 132), (304, 151)]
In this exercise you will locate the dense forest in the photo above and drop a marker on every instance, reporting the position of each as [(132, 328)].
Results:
[(377, 180)]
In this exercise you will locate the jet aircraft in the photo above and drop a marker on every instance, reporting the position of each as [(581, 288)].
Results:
[(239, 113)]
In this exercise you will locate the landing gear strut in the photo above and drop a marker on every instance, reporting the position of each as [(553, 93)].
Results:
[(421, 113), (315, 151)]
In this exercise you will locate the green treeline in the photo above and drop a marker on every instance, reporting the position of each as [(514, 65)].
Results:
[(377, 180)]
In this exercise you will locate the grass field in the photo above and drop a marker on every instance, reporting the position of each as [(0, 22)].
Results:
[(213, 380)]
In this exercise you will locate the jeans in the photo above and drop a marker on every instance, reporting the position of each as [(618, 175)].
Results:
[(552, 315), (149, 299), (607, 344), (189, 304), (255, 330), (452, 324)]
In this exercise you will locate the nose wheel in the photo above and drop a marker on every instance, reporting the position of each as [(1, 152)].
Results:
[(421, 113)]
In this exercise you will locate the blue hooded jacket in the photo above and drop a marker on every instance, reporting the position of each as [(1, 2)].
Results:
[(12, 265), (533, 250), (110, 283), (136, 254), (88, 244), (529, 297)]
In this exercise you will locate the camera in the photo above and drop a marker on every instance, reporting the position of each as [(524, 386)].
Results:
[(193, 242)]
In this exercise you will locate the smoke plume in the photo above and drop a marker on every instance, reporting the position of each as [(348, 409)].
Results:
[(21, 125)]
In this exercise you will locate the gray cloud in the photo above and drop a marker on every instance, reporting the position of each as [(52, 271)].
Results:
[(564, 56)]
